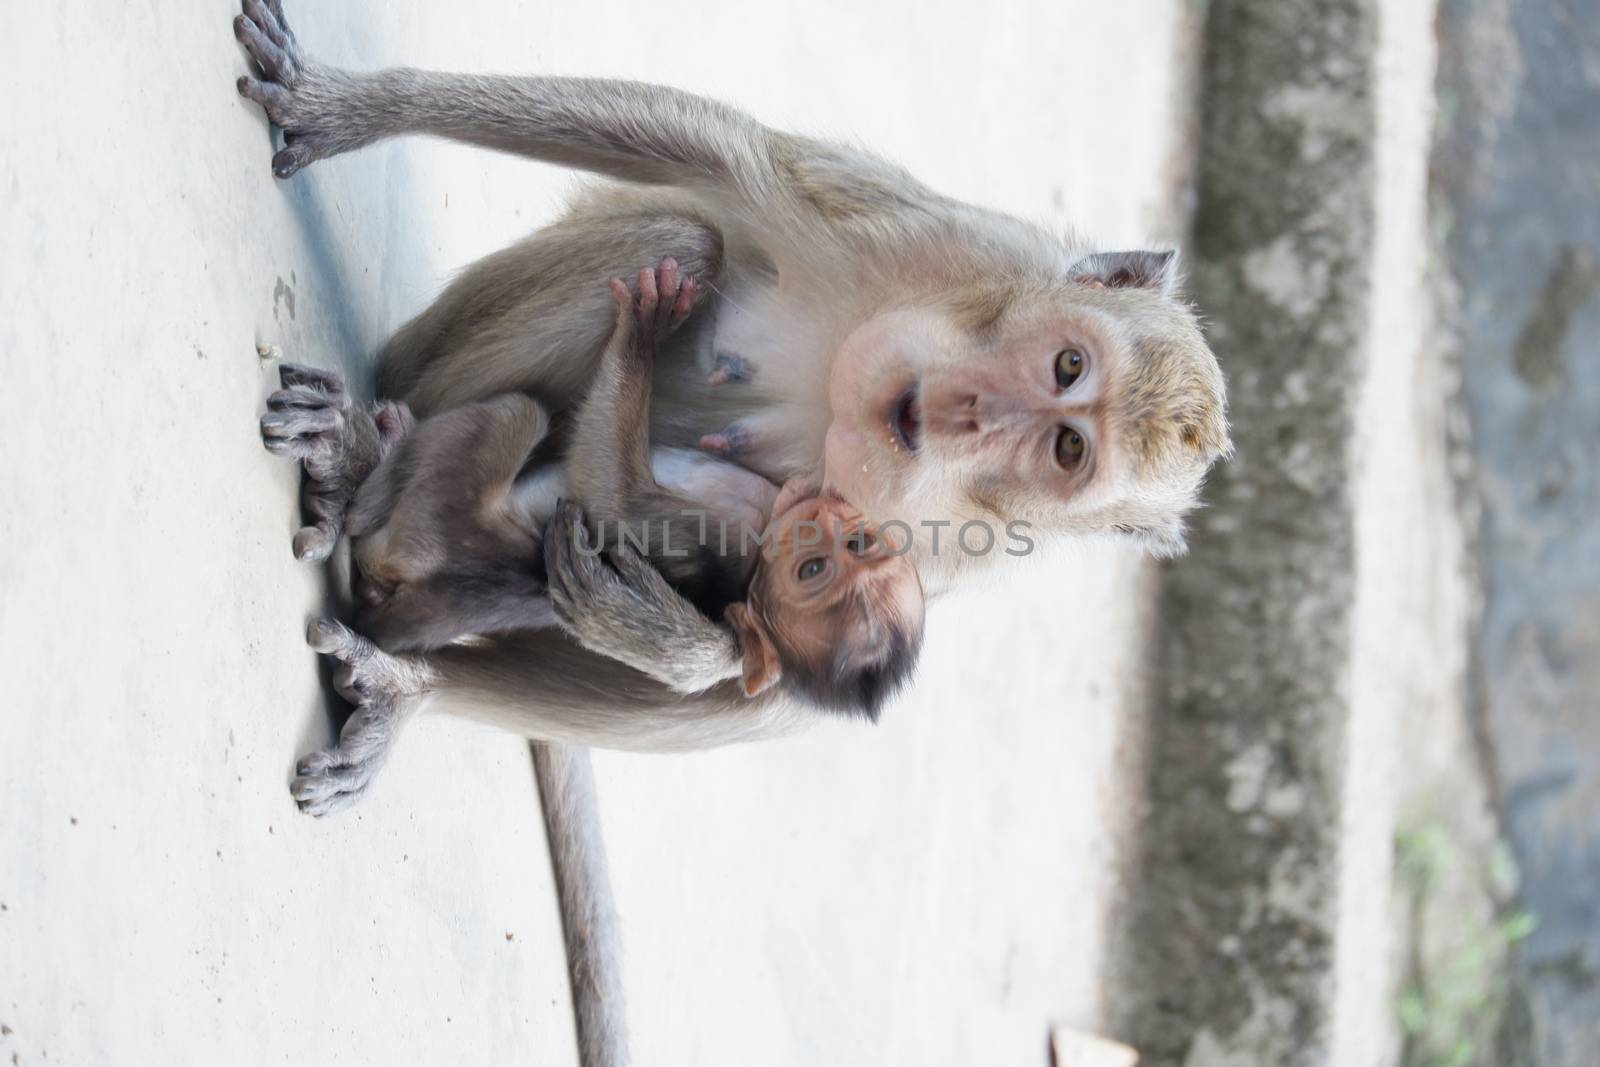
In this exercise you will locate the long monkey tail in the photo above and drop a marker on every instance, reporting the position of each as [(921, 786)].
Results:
[(588, 914)]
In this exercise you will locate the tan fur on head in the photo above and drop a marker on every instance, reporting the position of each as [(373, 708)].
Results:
[(1172, 402), (1169, 413)]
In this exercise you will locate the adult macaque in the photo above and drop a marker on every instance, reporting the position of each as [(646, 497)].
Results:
[(448, 540), (934, 360), (929, 360)]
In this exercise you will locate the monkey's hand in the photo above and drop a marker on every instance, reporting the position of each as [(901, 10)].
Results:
[(311, 103), (384, 689), (618, 605)]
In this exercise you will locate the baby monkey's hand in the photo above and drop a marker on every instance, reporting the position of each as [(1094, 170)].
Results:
[(664, 300)]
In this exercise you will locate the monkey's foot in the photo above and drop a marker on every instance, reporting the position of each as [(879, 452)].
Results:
[(306, 418), (311, 419), (384, 690), (302, 98), (332, 780)]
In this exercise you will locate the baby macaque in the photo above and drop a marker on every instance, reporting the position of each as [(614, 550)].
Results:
[(449, 531)]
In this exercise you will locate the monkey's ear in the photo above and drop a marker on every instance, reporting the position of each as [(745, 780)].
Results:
[(1160, 540), (1156, 270), (761, 667)]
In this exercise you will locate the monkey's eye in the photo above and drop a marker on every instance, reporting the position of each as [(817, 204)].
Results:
[(1070, 365), (1070, 448), (811, 568)]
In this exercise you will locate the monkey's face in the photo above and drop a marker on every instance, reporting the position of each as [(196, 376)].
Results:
[(836, 603), (1074, 408), (823, 555), (932, 420)]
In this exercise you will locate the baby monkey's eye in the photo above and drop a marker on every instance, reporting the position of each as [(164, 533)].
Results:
[(1070, 365), (810, 568)]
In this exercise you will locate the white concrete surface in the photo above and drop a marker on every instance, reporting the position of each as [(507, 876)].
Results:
[(930, 892)]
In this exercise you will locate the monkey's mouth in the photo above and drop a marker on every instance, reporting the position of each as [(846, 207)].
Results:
[(905, 419)]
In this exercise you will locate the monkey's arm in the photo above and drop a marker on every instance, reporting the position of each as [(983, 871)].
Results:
[(627, 130), (608, 462), (622, 129)]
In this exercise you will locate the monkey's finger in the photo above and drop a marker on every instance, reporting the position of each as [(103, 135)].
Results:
[(299, 421), (268, 56), (276, 7), (263, 16), (333, 638), (270, 95), (636, 571), (564, 536), (293, 158), (293, 374), (557, 549), (320, 795), (648, 296), (313, 544), (350, 682), (619, 292), (683, 305), (575, 523), (318, 763), (299, 398), (666, 289)]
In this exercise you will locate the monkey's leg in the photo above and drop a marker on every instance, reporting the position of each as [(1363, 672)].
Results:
[(649, 134), (428, 615), (608, 462), (384, 690), (312, 419), (535, 317)]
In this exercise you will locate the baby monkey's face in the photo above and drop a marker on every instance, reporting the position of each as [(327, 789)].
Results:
[(822, 555), (832, 607)]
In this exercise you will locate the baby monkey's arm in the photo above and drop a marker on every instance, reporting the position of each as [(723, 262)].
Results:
[(608, 464), (602, 602)]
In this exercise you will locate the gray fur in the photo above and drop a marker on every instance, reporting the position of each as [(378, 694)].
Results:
[(588, 914), (312, 419)]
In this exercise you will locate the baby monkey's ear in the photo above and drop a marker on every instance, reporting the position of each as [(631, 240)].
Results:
[(761, 667)]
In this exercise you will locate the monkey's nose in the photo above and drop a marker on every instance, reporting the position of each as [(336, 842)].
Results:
[(953, 415)]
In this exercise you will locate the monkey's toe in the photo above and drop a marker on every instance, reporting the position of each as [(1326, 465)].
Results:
[(294, 157), (314, 544), (329, 382), (325, 782), (300, 421)]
